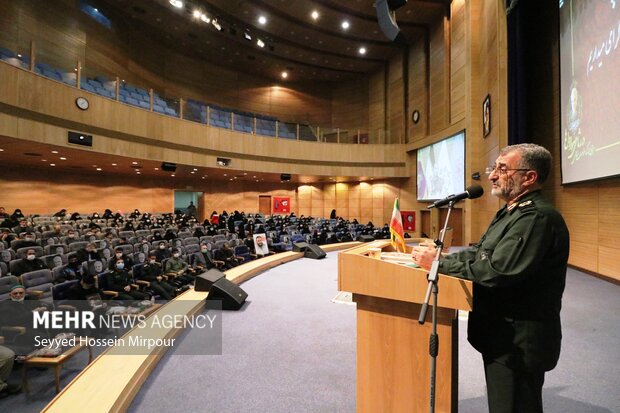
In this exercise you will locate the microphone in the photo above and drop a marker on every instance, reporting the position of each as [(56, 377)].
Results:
[(472, 192)]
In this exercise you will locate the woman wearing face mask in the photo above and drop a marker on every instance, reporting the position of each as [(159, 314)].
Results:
[(119, 280)]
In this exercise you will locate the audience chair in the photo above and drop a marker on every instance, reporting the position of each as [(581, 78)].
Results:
[(39, 281), (6, 283), (54, 260), (21, 252)]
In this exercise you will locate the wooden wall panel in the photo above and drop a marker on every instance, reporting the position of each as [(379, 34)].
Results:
[(395, 101), (458, 66), (418, 88), (439, 100), (376, 107), (350, 106)]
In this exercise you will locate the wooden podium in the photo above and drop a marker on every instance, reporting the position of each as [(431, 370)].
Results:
[(393, 361)]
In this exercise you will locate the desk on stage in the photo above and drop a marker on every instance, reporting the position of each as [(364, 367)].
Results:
[(393, 361)]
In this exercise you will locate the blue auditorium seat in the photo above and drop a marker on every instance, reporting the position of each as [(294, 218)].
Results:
[(171, 112), (88, 87), (158, 108), (145, 105), (132, 101)]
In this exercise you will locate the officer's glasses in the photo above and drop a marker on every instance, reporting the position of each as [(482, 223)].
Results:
[(501, 169)]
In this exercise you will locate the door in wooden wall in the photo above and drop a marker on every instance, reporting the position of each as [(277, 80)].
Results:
[(456, 223), (264, 204)]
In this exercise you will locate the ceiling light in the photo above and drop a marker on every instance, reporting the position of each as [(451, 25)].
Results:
[(362, 50), (20, 55), (192, 172), (62, 158), (138, 173), (134, 163), (262, 20), (52, 164), (1, 150), (315, 14), (196, 13), (99, 169), (177, 3), (203, 177), (54, 151), (345, 24), (195, 169), (284, 75), (114, 164), (260, 43), (172, 175), (247, 36), (157, 169), (205, 18), (216, 24)]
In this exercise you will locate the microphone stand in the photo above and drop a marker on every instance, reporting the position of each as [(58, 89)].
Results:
[(433, 280)]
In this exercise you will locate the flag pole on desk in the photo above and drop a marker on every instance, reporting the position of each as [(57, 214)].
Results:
[(397, 234)]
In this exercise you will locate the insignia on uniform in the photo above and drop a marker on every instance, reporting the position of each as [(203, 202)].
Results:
[(525, 203)]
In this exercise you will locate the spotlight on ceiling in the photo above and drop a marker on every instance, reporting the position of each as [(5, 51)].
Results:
[(205, 18), (314, 15), (260, 43), (262, 20), (177, 3), (362, 50), (284, 75), (216, 24), (345, 25), (247, 36), (196, 13)]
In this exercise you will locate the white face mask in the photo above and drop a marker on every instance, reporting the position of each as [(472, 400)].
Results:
[(162, 247), (204, 249), (30, 257)]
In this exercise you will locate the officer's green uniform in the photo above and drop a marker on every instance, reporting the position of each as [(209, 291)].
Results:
[(117, 280), (519, 272)]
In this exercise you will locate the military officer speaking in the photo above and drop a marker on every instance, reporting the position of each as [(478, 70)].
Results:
[(519, 272)]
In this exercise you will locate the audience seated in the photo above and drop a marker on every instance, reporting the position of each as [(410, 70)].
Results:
[(203, 260), (118, 279), (151, 271), (88, 253), (178, 269), (28, 264)]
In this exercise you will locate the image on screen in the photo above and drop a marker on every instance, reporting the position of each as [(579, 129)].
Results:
[(441, 168), (590, 103)]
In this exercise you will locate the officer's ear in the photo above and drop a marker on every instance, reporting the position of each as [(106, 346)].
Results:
[(530, 178)]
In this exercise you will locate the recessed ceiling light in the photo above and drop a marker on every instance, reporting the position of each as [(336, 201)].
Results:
[(205, 18), (173, 175), (157, 169), (43, 160), (203, 177), (192, 172), (62, 158), (114, 164), (99, 169), (54, 151), (362, 50), (254, 176), (284, 75), (134, 163), (225, 174), (262, 20), (195, 169), (345, 25), (138, 173), (52, 164), (230, 179), (1, 150), (197, 13), (177, 3), (260, 43), (315, 14)]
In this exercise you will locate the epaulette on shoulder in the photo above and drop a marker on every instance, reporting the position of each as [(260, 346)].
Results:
[(526, 205)]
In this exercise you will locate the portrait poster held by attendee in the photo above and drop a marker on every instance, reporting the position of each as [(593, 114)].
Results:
[(260, 244), (519, 273)]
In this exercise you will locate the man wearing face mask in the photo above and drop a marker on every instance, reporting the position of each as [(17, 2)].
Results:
[(519, 272), (29, 263), (177, 268), (119, 280), (162, 252), (118, 254), (203, 260), (151, 272)]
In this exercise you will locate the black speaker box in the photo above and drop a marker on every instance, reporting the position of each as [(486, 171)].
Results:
[(315, 252), (285, 177), (365, 238), (205, 280), (229, 293), (80, 139), (168, 166), (300, 246)]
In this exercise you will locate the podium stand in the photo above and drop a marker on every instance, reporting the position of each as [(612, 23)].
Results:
[(393, 361)]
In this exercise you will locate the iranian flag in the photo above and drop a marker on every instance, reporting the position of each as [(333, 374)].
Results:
[(396, 228)]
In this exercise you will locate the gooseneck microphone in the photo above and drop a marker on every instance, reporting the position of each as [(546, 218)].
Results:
[(472, 192)]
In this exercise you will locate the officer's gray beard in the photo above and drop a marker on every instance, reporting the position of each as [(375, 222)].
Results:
[(508, 192)]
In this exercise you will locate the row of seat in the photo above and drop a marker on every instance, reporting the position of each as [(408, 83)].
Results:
[(131, 95)]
